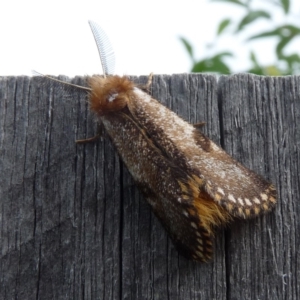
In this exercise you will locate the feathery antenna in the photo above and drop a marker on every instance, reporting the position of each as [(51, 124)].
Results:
[(106, 53)]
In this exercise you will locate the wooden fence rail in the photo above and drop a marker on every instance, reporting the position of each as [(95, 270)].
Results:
[(74, 226)]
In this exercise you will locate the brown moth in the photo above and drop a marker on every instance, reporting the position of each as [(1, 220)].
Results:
[(192, 185)]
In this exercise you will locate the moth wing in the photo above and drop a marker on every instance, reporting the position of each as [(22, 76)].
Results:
[(239, 190), (184, 226)]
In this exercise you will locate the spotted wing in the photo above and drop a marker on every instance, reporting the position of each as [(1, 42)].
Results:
[(190, 235), (231, 185), (241, 191)]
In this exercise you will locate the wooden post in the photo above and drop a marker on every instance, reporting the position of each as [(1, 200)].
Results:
[(74, 226)]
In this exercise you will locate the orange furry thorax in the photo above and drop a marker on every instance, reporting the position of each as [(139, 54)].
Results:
[(109, 94)]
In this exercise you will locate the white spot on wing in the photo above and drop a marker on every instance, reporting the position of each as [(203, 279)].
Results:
[(256, 200), (200, 242), (215, 147), (151, 202), (221, 191), (185, 213), (200, 248), (264, 196), (193, 224), (231, 198), (248, 202), (241, 201), (200, 254)]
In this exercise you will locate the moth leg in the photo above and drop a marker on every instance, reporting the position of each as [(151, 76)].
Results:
[(89, 140), (149, 82), (146, 87), (199, 125), (93, 138)]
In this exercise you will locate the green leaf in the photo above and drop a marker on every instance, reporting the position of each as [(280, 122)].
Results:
[(251, 17), (232, 1), (288, 30), (283, 42), (188, 47), (294, 30), (266, 34), (291, 60), (281, 31), (223, 25), (257, 71), (286, 5), (210, 66), (213, 64), (271, 70), (222, 54), (254, 59), (287, 33)]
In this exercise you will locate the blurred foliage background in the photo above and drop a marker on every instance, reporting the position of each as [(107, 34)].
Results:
[(221, 61)]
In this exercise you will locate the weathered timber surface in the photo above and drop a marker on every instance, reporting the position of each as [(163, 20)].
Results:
[(74, 226)]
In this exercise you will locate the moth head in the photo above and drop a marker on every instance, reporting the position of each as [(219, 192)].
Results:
[(109, 94)]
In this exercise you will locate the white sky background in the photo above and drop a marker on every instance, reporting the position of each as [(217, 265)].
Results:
[(53, 37)]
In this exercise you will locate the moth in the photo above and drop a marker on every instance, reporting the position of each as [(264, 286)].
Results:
[(192, 185)]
